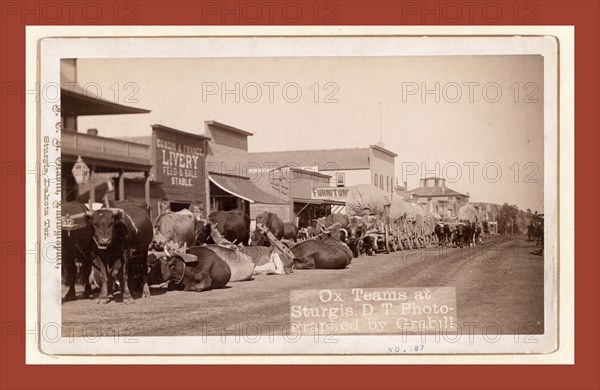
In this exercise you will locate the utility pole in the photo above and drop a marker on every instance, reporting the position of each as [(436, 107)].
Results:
[(380, 124)]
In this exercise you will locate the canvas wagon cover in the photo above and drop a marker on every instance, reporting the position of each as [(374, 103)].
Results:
[(399, 209), (366, 199), (468, 212), (415, 211)]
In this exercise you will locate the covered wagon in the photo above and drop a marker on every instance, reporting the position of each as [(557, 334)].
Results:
[(372, 205)]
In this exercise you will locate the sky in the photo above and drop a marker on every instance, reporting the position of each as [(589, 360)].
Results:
[(484, 132)]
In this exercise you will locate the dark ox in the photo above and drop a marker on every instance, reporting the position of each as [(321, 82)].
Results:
[(439, 232), (208, 273), (447, 233), (121, 236), (273, 223), (321, 254), (76, 244), (355, 236), (233, 225), (290, 231)]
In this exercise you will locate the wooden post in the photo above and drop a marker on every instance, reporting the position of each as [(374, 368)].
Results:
[(92, 182), (121, 185), (147, 187)]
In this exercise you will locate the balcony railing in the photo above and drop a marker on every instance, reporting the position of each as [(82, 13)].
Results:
[(104, 149)]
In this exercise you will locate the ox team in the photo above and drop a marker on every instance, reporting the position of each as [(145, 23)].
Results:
[(119, 242)]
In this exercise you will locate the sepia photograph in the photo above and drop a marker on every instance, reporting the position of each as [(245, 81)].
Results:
[(317, 196)]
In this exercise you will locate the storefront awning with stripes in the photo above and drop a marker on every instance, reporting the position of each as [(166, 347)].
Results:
[(243, 188)]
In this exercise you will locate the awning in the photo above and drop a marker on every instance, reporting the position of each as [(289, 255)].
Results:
[(243, 188), (334, 202), (320, 201), (76, 102), (308, 201)]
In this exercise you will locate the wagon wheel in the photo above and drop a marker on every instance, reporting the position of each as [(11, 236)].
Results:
[(386, 239), (397, 242)]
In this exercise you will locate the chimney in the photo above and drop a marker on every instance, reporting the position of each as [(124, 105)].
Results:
[(406, 185), (92, 131), (443, 186), (422, 183)]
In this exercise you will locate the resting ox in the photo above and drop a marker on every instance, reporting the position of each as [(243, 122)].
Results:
[(240, 264), (322, 254), (209, 272), (263, 256), (121, 234)]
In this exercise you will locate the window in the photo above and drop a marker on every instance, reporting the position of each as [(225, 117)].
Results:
[(375, 179), (387, 184), (340, 178), (381, 182)]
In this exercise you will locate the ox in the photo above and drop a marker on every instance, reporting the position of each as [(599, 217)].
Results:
[(356, 234), (442, 231), (273, 223), (233, 225), (240, 264), (290, 231), (261, 255), (210, 271), (121, 233), (322, 254), (76, 244), (181, 227)]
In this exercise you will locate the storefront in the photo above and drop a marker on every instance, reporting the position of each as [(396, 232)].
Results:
[(109, 161), (231, 185), (179, 168)]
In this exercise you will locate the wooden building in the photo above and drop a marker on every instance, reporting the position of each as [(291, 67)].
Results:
[(227, 166), (105, 157), (436, 197)]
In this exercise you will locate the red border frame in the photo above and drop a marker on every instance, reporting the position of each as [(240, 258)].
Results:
[(15, 374)]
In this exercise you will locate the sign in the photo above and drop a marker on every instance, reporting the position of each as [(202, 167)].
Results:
[(179, 164), (401, 310), (329, 193), (81, 171)]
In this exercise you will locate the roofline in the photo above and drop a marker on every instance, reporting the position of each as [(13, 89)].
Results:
[(451, 192), (311, 150), (316, 173), (311, 172), (228, 175), (180, 132), (383, 150), (131, 110), (440, 195), (227, 127)]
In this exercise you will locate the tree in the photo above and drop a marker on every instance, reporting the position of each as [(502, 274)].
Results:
[(507, 219)]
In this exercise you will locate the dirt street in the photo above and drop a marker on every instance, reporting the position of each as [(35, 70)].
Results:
[(499, 282)]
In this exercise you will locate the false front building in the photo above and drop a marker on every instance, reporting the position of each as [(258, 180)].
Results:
[(316, 181)]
